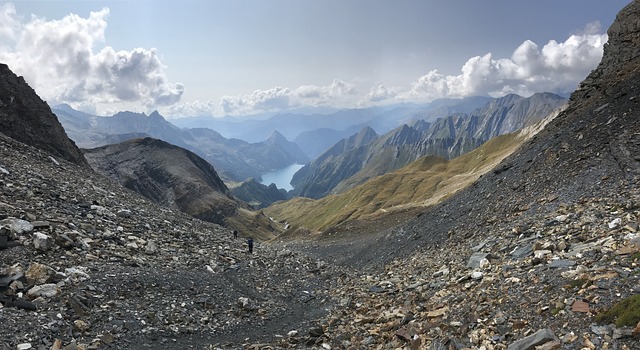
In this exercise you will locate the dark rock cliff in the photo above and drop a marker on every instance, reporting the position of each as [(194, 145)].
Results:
[(168, 175), (25, 117)]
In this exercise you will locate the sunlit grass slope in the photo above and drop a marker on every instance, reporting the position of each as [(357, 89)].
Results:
[(421, 183)]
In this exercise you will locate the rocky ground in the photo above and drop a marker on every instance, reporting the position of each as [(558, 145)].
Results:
[(549, 275), (85, 263)]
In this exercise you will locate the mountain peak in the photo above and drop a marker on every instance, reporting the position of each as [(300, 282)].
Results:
[(276, 137)]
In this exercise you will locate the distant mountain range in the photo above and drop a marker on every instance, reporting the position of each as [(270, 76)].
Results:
[(234, 159), (316, 132), (366, 154)]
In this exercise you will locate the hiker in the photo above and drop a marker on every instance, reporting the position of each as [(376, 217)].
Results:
[(250, 243), (235, 234)]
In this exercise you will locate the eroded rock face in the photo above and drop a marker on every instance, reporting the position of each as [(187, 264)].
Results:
[(28, 119), (168, 175)]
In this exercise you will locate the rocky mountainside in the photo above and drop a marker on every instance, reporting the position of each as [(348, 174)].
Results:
[(168, 175), (25, 117), (258, 195), (339, 162), (340, 169), (543, 252), (293, 124), (234, 159), (86, 263)]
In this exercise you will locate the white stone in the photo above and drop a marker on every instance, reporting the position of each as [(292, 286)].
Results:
[(615, 223), (561, 218), (477, 275), (44, 290), (540, 254), (42, 242), (24, 346)]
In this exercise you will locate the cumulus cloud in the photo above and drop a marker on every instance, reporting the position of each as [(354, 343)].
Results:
[(381, 93), (338, 93), (259, 101), (9, 24), (556, 67), (57, 58), (334, 94)]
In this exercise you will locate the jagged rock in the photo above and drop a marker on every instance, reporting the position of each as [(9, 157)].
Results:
[(17, 226), (538, 338), (42, 242), (39, 273), (27, 118)]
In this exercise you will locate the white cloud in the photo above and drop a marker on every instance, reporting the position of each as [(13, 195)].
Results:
[(9, 25), (68, 69), (381, 93), (557, 67), (338, 93), (259, 101)]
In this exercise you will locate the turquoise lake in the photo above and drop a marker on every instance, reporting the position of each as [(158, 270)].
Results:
[(281, 177)]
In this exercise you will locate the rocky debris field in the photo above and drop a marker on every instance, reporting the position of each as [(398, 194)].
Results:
[(543, 281), (87, 264)]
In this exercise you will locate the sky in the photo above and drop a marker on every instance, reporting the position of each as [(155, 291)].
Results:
[(242, 57)]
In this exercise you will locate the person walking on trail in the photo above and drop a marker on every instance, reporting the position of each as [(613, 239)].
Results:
[(235, 234), (250, 243)]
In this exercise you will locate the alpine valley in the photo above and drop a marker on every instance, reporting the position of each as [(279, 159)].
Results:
[(480, 223)]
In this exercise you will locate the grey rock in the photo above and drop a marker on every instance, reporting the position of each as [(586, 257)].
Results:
[(42, 242), (44, 290), (475, 260), (561, 263), (529, 343), (522, 252)]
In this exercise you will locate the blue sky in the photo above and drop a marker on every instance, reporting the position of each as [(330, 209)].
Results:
[(212, 57)]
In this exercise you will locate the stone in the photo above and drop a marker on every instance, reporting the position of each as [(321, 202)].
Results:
[(580, 306), (44, 290), (17, 226), (522, 252), (538, 338), (476, 259), (39, 273), (561, 263), (42, 242), (620, 333), (151, 248), (615, 223)]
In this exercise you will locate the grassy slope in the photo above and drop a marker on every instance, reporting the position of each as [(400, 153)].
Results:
[(421, 183)]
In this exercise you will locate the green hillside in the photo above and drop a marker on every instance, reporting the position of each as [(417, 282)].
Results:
[(421, 183)]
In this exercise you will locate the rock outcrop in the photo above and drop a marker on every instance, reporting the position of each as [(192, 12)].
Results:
[(24, 116), (168, 175)]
